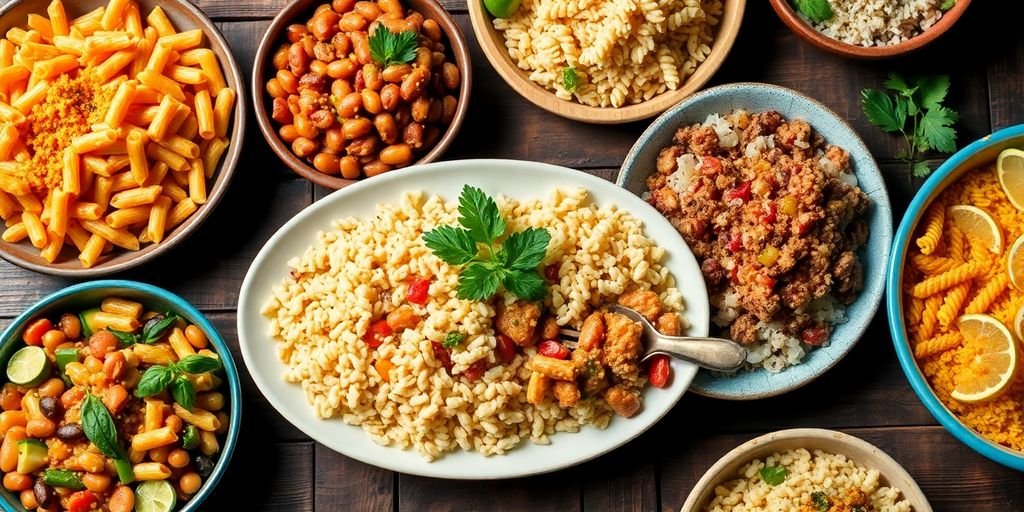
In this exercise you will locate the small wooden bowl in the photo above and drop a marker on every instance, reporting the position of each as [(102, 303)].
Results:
[(298, 11), (185, 16), (493, 44), (808, 33)]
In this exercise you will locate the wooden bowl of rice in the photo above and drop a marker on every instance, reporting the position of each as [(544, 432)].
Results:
[(670, 64), (816, 460)]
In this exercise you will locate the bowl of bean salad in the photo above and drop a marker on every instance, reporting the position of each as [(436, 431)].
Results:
[(115, 396)]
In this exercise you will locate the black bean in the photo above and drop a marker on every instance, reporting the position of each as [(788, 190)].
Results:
[(51, 408), (204, 465), (43, 492), (70, 432)]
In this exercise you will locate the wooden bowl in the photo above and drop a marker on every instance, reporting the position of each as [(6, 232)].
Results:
[(859, 451), (185, 16), (493, 44), (298, 11), (808, 33)]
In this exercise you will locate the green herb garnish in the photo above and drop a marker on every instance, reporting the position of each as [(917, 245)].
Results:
[(947, 5), (570, 80), (916, 102), (387, 47), (821, 501), (99, 427), (815, 10), (453, 339), (151, 332), (489, 265), (774, 475), (159, 377)]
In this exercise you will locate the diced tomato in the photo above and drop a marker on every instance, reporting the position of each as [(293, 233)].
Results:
[(504, 348), (815, 336), (33, 334), (551, 272), (375, 335), (770, 214), (552, 348), (419, 288), (443, 356), (735, 243), (81, 501), (711, 165), (766, 280), (740, 192), (659, 370), (734, 274), (476, 370)]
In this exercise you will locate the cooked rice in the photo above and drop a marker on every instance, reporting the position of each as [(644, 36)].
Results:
[(879, 22), (356, 272), (833, 474)]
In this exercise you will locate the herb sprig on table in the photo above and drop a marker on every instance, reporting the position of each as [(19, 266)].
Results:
[(913, 108), (815, 10), (487, 264)]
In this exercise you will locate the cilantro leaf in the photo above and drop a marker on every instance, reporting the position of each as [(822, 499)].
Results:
[(816, 10), (947, 5), (880, 110), (479, 281), (453, 339), (936, 129), (453, 245), (896, 82), (525, 284), (525, 250), (774, 475), (480, 215), (387, 47), (570, 80), (932, 90), (921, 169)]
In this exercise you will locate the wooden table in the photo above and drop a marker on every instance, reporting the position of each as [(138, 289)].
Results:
[(866, 395)]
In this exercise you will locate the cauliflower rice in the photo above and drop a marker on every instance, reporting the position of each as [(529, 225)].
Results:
[(357, 270), (831, 473)]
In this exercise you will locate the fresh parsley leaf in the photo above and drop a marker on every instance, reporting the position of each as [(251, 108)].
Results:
[(947, 5), (154, 381), (896, 82), (816, 10), (453, 339), (932, 91), (525, 250), (936, 129), (525, 284), (387, 47), (198, 364), (880, 110), (479, 281), (480, 215), (774, 475), (921, 169), (183, 392), (453, 245), (570, 80), (125, 338), (902, 109), (153, 331), (821, 501)]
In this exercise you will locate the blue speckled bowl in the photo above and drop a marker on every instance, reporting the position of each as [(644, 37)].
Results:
[(981, 152), (84, 295), (756, 97)]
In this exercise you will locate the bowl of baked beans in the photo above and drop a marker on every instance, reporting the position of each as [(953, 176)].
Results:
[(346, 90)]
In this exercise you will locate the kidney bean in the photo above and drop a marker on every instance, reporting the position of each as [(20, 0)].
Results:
[(296, 32), (376, 167), (353, 21), (420, 109), (413, 135), (326, 163), (371, 101), (342, 6), (44, 493), (298, 61), (51, 408), (324, 25)]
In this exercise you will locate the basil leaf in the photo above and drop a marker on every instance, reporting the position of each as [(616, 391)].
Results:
[(774, 475), (183, 392), (198, 364), (99, 427), (125, 338), (153, 331), (154, 381)]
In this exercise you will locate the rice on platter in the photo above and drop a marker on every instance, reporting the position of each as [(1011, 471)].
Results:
[(371, 325)]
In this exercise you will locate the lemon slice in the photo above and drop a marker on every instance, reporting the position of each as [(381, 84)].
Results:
[(28, 366), (1015, 265), (1010, 168), (978, 225), (994, 363), (1018, 324), (155, 496)]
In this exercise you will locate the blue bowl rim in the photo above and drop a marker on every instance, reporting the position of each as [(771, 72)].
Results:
[(664, 121), (932, 187), (197, 317)]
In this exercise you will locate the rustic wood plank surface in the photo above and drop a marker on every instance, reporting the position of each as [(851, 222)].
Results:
[(277, 468)]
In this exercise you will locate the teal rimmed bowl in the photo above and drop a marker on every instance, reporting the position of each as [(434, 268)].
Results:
[(90, 294), (979, 153)]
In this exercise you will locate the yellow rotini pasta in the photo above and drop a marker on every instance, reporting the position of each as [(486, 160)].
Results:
[(948, 279), (988, 294), (934, 219), (952, 303), (938, 344), (956, 244), (931, 264), (930, 316), (915, 311)]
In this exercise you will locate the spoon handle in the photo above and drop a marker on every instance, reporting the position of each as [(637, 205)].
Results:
[(712, 353)]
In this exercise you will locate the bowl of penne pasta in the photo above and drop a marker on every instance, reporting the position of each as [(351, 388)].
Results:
[(121, 123)]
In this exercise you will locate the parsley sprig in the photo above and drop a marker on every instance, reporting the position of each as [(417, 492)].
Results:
[(488, 264), (815, 10), (918, 103), (160, 377), (387, 47)]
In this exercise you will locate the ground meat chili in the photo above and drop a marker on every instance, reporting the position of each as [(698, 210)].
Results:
[(773, 214)]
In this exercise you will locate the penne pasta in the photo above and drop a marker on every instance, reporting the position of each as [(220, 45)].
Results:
[(35, 228), (126, 217), (90, 254), (137, 157), (58, 18), (90, 211), (122, 99), (162, 154), (222, 108), (53, 247), (161, 83), (114, 64), (118, 237), (158, 20), (214, 75), (72, 172), (8, 138), (114, 13), (158, 219), (204, 114), (183, 40), (187, 75), (31, 97), (136, 197), (212, 155), (181, 211), (197, 182), (77, 234), (15, 233), (59, 204), (52, 67), (162, 118)]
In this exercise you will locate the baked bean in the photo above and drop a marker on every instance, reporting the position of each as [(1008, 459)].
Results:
[(288, 133), (319, 67), (10, 397), (342, 44), (275, 90), (424, 58), (420, 108), (297, 58), (340, 88), (369, 10), (17, 482), (70, 325), (350, 167), (322, 119), (51, 388), (53, 338), (293, 104), (102, 342), (307, 46), (114, 365), (280, 112), (416, 19), (341, 68), (396, 25), (305, 127), (413, 135), (325, 25), (356, 128), (28, 499), (10, 419), (350, 105), (288, 81), (432, 30), (402, 115), (365, 146), (319, 9), (450, 74), (371, 101), (296, 32), (303, 147), (359, 84), (375, 167), (398, 154), (448, 107), (353, 21), (40, 428), (334, 140), (414, 84), (431, 134), (325, 52), (396, 72), (326, 163), (361, 47), (372, 76), (96, 482), (437, 47), (122, 499), (391, 6), (280, 60), (342, 6), (386, 127), (389, 96), (434, 113)]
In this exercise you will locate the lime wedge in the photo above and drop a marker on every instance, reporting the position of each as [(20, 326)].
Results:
[(501, 8), (28, 366), (155, 496)]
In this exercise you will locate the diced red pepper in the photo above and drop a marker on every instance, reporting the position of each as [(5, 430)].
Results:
[(552, 348), (659, 370), (766, 280), (443, 356), (476, 370), (375, 335), (504, 348), (740, 192), (81, 501), (551, 272), (711, 165), (770, 214), (815, 336), (734, 274), (735, 243), (33, 334), (419, 290)]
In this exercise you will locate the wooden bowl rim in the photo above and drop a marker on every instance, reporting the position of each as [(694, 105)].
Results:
[(431, 9), (222, 177), (518, 80), (808, 33)]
